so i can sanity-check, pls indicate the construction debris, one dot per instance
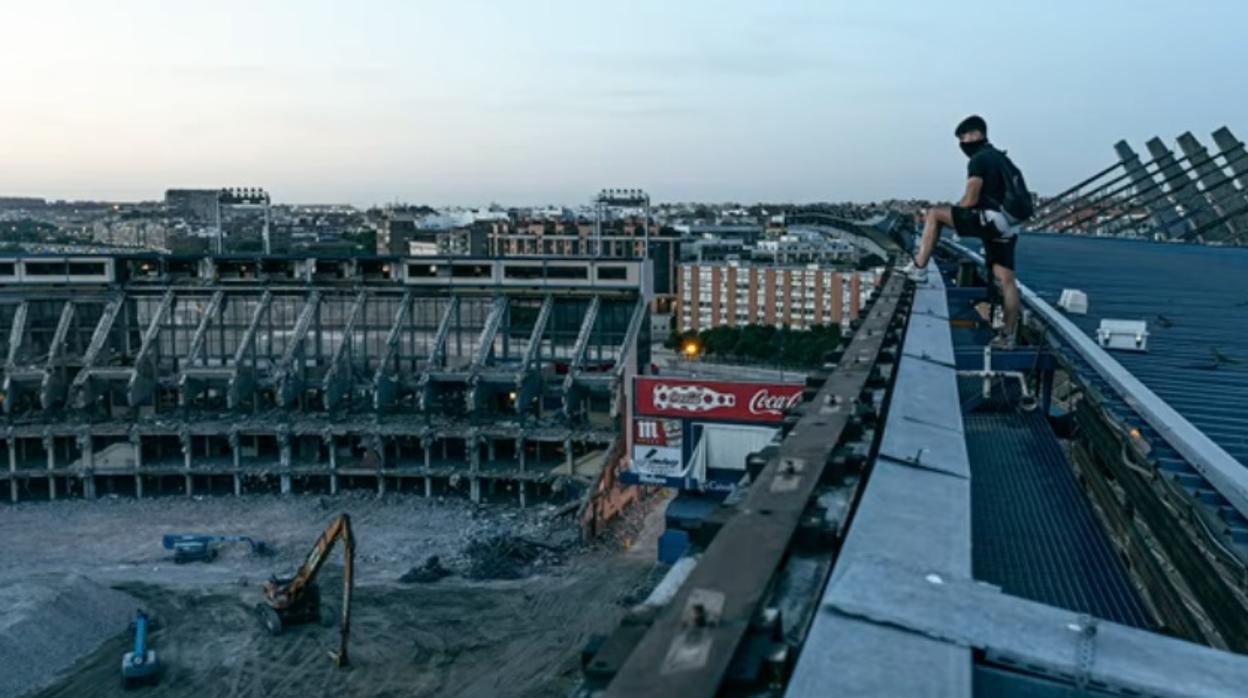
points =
(430, 571)
(508, 557)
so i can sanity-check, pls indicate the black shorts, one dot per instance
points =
(998, 250)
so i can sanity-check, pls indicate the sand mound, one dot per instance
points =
(48, 622)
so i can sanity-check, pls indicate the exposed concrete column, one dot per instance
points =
(428, 487)
(472, 444)
(283, 457)
(49, 445)
(136, 442)
(333, 463)
(524, 487)
(475, 490)
(377, 445)
(88, 472)
(491, 454)
(426, 446)
(567, 450)
(236, 455)
(520, 451)
(187, 449)
(12, 469)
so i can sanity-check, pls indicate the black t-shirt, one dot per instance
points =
(987, 164)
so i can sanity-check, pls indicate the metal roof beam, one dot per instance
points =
(628, 349)
(145, 347)
(57, 347)
(383, 380)
(98, 338)
(201, 330)
(287, 383)
(17, 333)
(338, 377)
(240, 378)
(579, 349)
(524, 386)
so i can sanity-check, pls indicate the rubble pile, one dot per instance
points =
(508, 557)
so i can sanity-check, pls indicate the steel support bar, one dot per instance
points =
(485, 343)
(1205, 212)
(57, 347)
(147, 343)
(1058, 198)
(525, 380)
(535, 337)
(1141, 187)
(338, 377)
(201, 330)
(1181, 190)
(287, 389)
(437, 357)
(17, 334)
(248, 339)
(1225, 199)
(688, 649)
(98, 339)
(383, 382)
(1049, 214)
(628, 350)
(582, 344)
(240, 380)
(1217, 466)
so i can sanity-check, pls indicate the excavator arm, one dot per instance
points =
(283, 595)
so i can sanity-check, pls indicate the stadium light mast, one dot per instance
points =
(245, 196)
(609, 199)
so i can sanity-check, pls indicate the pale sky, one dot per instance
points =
(547, 102)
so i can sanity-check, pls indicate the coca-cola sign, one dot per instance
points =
(715, 400)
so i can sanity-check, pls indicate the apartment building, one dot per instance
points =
(735, 293)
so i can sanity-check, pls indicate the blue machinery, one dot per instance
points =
(192, 547)
(140, 665)
(849, 573)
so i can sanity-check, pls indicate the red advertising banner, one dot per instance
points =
(707, 400)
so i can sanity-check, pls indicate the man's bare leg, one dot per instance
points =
(1010, 300)
(935, 217)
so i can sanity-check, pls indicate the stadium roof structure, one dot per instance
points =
(936, 519)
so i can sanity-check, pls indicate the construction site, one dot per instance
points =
(177, 431)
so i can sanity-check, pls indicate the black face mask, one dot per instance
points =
(972, 147)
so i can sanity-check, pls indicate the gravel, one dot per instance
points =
(48, 622)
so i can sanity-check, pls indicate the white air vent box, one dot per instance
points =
(1073, 301)
(1128, 335)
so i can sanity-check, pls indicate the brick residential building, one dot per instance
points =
(737, 294)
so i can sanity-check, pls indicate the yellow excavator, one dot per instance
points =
(296, 600)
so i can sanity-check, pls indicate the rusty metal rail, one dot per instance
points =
(688, 649)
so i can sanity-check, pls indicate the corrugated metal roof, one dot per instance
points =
(1195, 300)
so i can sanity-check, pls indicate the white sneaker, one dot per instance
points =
(1003, 342)
(914, 272)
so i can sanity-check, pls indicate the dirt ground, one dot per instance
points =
(454, 637)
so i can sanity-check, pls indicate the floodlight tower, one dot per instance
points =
(245, 196)
(609, 199)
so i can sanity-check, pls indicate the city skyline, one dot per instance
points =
(514, 104)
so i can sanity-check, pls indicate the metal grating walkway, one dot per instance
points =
(1034, 533)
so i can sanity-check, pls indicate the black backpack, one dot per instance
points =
(1017, 201)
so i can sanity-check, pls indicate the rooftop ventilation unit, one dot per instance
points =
(1127, 335)
(1073, 301)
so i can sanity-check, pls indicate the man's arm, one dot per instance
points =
(971, 197)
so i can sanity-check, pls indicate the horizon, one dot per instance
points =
(521, 106)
